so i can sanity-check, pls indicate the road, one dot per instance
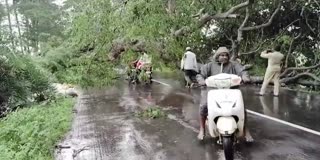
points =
(106, 127)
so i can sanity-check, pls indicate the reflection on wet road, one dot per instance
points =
(105, 126)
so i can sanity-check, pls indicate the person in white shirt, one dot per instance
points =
(190, 67)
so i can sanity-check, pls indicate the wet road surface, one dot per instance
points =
(106, 127)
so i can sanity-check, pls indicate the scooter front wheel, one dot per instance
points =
(227, 142)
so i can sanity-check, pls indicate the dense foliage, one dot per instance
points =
(32, 133)
(83, 41)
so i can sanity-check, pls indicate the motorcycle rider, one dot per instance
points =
(221, 57)
(139, 63)
(131, 66)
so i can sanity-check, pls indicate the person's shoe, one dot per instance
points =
(276, 95)
(201, 135)
(218, 140)
(249, 139)
(259, 94)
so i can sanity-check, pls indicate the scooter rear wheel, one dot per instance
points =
(227, 142)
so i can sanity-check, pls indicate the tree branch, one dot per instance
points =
(304, 74)
(247, 67)
(298, 68)
(199, 13)
(285, 29)
(290, 50)
(259, 80)
(254, 51)
(312, 29)
(171, 7)
(237, 7)
(308, 83)
(315, 1)
(239, 38)
(268, 23)
(192, 3)
(229, 14)
(232, 42)
(180, 32)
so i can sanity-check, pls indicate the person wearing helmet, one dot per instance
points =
(221, 57)
(189, 66)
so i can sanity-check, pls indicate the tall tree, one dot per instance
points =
(41, 19)
(15, 2)
(10, 25)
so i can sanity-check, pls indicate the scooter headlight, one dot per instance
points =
(222, 83)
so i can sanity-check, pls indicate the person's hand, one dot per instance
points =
(202, 83)
(246, 79)
(268, 51)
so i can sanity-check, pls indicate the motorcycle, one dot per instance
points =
(145, 74)
(226, 113)
(141, 73)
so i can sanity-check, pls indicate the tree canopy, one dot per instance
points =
(82, 41)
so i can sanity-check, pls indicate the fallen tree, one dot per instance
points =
(165, 28)
(287, 77)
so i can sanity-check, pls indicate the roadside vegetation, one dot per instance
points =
(153, 112)
(32, 133)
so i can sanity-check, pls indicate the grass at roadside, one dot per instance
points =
(31, 133)
(152, 112)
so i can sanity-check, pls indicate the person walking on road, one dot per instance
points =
(273, 70)
(189, 66)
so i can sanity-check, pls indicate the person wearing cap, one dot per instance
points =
(221, 57)
(273, 70)
(190, 66)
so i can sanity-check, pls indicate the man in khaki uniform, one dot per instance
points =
(273, 70)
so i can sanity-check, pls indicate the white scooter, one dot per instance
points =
(226, 114)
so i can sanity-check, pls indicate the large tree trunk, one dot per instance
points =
(18, 25)
(35, 27)
(27, 23)
(10, 25)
